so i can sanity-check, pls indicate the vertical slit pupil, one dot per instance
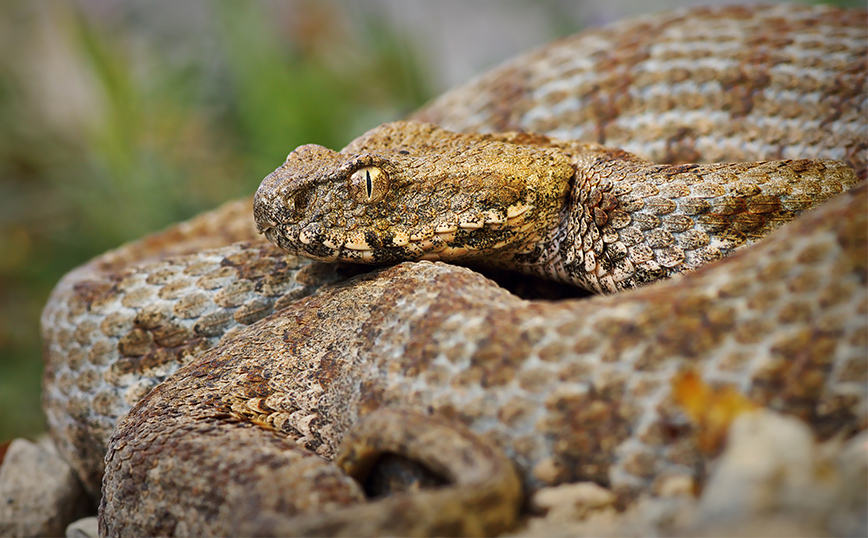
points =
(369, 183)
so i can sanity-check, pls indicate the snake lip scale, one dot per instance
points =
(203, 381)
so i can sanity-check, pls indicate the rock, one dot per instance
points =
(586, 509)
(572, 501)
(767, 459)
(39, 495)
(773, 478)
(849, 515)
(674, 485)
(83, 528)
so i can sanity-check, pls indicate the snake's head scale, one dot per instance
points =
(410, 191)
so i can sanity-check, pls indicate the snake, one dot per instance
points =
(579, 213)
(203, 380)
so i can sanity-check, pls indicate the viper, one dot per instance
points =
(203, 381)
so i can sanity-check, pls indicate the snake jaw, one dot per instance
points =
(443, 241)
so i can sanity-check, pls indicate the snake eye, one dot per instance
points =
(369, 184)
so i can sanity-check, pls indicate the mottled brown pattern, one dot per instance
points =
(702, 85)
(400, 343)
(118, 338)
(278, 374)
(573, 212)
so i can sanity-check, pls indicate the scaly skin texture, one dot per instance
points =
(728, 84)
(568, 391)
(116, 327)
(784, 323)
(580, 213)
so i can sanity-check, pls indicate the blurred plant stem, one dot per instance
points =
(109, 130)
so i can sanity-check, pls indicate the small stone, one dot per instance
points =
(849, 513)
(546, 471)
(765, 455)
(774, 475)
(679, 485)
(83, 528)
(39, 495)
(572, 501)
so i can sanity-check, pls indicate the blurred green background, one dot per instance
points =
(119, 117)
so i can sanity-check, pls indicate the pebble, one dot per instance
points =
(39, 495)
(83, 528)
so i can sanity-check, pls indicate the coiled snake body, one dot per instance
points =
(290, 366)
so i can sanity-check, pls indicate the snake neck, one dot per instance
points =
(593, 247)
(627, 222)
(583, 249)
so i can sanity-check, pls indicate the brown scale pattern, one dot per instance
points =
(568, 391)
(578, 213)
(784, 322)
(728, 84)
(119, 333)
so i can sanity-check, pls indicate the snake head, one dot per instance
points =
(409, 191)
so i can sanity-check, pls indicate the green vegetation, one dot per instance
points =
(110, 129)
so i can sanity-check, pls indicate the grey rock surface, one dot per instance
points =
(87, 527)
(39, 495)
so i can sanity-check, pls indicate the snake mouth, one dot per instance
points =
(446, 242)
